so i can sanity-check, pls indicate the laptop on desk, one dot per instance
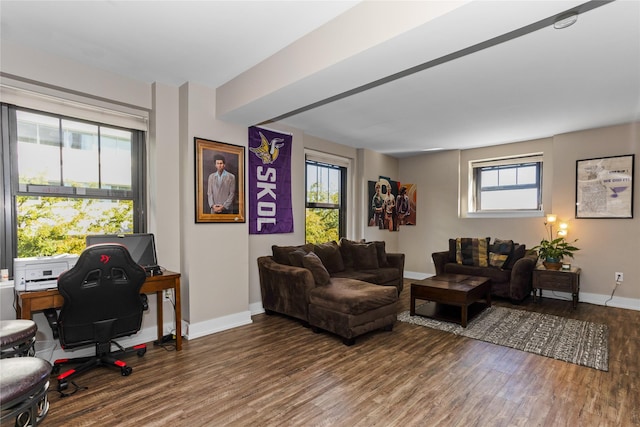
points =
(141, 246)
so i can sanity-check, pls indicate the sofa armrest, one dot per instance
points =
(396, 260)
(285, 288)
(521, 278)
(439, 260)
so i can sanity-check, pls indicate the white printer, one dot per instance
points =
(40, 273)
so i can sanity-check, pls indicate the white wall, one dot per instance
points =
(213, 255)
(606, 245)
(218, 261)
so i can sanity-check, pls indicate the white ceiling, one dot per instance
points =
(542, 83)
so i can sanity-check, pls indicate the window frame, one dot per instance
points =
(341, 206)
(13, 189)
(475, 190)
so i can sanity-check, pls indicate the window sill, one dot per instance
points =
(506, 214)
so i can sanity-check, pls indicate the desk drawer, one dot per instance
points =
(556, 281)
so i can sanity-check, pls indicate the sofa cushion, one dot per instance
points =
(496, 275)
(295, 257)
(350, 273)
(365, 256)
(330, 255)
(472, 251)
(382, 253)
(312, 262)
(503, 247)
(382, 275)
(352, 296)
(497, 260)
(281, 253)
(346, 250)
(452, 250)
(499, 252)
(519, 251)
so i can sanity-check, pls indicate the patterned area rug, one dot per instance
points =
(574, 341)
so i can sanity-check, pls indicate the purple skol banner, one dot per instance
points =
(269, 182)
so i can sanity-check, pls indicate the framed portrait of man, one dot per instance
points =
(219, 181)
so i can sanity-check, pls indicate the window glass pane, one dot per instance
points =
(507, 176)
(527, 175)
(38, 149)
(489, 178)
(517, 186)
(323, 185)
(334, 186)
(509, 199)
(324, 214)
(80, 154)
(322, 225)
(312, 183)
(115, 158)
(55, 225)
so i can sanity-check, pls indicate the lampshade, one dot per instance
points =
(552, 217)
(562, 232)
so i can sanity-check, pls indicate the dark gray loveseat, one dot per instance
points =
(511, 278)
(348, 288)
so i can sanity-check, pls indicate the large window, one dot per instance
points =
(507, 185)
(326, 202)
(68, 178)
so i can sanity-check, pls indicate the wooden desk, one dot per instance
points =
(28, 302)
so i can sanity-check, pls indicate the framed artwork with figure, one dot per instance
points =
(219, 181)
(604, 187)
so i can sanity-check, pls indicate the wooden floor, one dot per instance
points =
(275, 372)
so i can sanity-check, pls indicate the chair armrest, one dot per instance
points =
(439, 260)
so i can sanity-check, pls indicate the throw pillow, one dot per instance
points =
(452, 250)
(472, 251)
(295, 257)
(497, 260)
(502, 246)
(518, 252)
(320, 274)
(346, 250)
(382, 254)
(281, 253)
(365, 256)
(330, 255)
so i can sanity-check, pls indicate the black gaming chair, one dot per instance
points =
(102, 301)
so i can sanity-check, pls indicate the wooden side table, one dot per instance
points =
(557, 280)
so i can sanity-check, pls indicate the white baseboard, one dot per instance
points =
(597, 299)
(256, 308)
(211, 326)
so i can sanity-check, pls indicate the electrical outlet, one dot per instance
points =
(166, 295)
(619, 277)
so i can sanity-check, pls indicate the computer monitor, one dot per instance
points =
(141, 246)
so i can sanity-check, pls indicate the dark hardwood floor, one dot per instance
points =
(275, 372)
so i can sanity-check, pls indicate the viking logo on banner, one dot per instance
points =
(269, 182)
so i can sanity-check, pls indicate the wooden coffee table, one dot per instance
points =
(452, 296)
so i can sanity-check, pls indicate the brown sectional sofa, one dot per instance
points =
(349, 288)
(511, 278)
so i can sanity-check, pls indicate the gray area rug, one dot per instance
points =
(574, 341)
